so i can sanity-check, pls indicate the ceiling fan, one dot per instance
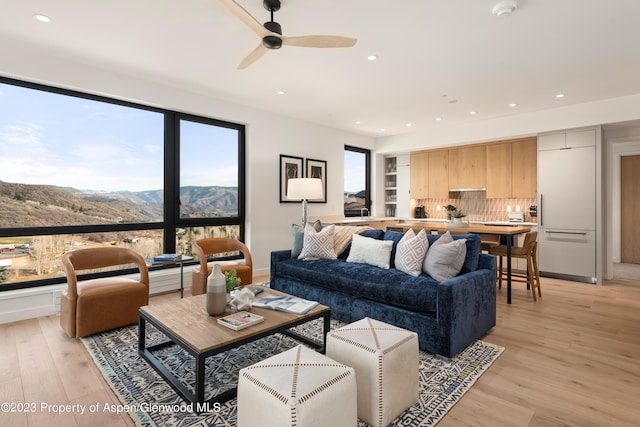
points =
(271, 33)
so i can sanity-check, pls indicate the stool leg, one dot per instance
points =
(534, 256)
(500, 272)
(530, 279)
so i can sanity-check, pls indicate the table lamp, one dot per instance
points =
(305, 189)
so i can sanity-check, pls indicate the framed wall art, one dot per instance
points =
(290, 167)
(318, 169)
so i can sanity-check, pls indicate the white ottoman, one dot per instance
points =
(385, 358)
(299, 387)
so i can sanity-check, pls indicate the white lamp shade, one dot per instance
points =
(304, 188)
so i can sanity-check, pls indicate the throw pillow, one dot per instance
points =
(298, 237)
(445, 258)
(366, 250)
(318, 244)
(411, 251)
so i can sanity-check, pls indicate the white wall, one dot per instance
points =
(268, 136)
(588, 114)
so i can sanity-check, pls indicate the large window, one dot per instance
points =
(357, 199)
(78, 170)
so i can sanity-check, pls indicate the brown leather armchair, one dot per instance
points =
(91, 306)
(219, 245)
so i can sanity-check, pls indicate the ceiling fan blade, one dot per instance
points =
(253, 56)
(319, 41)
(246, 17)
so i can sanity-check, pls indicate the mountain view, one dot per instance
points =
(47, 205)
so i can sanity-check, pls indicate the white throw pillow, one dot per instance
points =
(318, 244)
(411, 251)
(366, 250)
(445, 257)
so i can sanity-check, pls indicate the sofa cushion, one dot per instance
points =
(318, 244)
(373, 233)
(473, 250)
(387, 286)
(411, 251)
(395, 237)
(445, 258)
(370, 251)
(298, 237)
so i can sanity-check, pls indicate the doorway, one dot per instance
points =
(629, 206)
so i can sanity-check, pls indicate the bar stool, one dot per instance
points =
(527, 251)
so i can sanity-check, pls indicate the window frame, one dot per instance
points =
(367, 192)
(172, 221)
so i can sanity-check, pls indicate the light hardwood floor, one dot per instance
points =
(571, 359)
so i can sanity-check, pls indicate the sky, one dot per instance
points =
(354, 171)
(60, 140)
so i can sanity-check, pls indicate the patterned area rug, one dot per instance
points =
(150, 401)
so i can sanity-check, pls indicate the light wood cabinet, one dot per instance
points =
(468, 167)
(438, 174)
(512, 169)
(524, 169)
(419, 187)
(499, 171)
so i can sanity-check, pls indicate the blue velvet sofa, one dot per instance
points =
(447, 315)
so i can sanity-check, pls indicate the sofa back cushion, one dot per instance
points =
(473, 247)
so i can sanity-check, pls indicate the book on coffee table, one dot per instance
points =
(240, 320)
(285, 303)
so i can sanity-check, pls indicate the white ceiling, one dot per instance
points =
(437, 58)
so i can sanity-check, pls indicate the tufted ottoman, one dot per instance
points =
(385, 358)
(299, 387)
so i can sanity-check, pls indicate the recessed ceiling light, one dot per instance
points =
(438, 119)
(382, 129)
(372, 57)
(358, 122)
(560, 95)
(281, 92)
(408, 125)
(42, 18)
(513, 104)
(473, 113)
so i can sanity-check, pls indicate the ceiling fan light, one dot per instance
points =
(504, 8)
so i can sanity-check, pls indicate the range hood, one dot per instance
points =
(468, 189)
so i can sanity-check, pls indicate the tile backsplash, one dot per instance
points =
(477, 207)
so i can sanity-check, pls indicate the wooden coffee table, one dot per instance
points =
(186, 323)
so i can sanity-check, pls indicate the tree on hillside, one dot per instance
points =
(4, 274)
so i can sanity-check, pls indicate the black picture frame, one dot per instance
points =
(317, 169)
(290, 167)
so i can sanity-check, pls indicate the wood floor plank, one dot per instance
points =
(571, 359)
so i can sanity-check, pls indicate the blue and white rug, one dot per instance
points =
(152, 402)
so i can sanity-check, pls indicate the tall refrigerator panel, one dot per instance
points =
(567, 211)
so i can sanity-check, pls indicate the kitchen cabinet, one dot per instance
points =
(567, 140)
(468, 167)
(419, 187)
(430, 174)
(438, 174)
(512, 169)
(524, 168)
(499, 171)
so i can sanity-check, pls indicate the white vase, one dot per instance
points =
(216, 301)
(457, 220)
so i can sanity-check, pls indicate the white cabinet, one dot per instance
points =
(566, 183)
(567, 203)
(570, 252)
